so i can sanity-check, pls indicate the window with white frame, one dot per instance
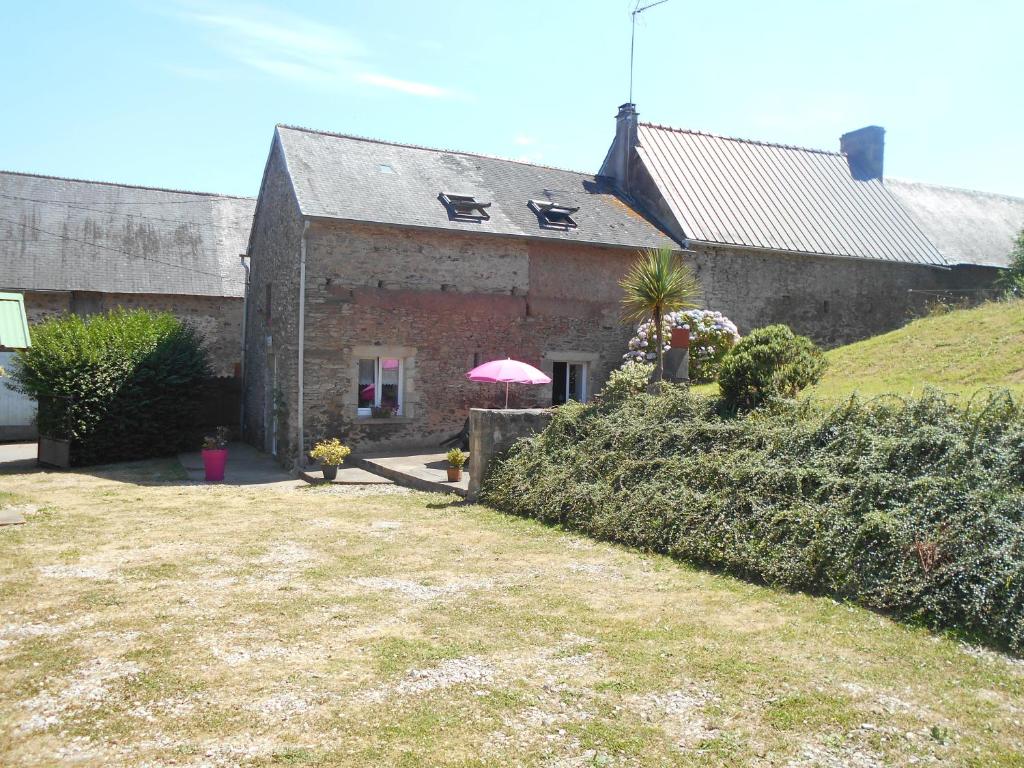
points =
(380, 386)
(568, 382)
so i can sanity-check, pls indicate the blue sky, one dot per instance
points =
(185, 94)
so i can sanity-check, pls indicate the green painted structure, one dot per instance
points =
(13, 322)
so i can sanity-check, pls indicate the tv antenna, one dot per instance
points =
(637, 10)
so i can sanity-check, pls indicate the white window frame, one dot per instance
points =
(584, 373)
(366, 413)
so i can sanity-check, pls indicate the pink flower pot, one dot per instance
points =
(213, 463)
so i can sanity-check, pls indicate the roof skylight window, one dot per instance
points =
(464, 207)
(553, 215)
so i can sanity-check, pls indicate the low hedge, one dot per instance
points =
(121, 386)
(912, 507)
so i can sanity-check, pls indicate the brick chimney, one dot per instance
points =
(865, 151)
(617, 161)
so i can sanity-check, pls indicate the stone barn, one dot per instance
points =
(83, 247)
(815, 239)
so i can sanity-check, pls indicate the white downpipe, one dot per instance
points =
(245, 322)
(302, 340)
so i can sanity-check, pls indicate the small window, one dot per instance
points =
(553, 215)
(464, 207)
(384, 168)
(568, 382)
(380, 386)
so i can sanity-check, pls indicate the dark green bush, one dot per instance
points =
(770, 363)
(122, 386)
(911, 507)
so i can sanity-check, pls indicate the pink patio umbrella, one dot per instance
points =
(507, 372)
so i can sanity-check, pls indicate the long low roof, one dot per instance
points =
(967, 227)
(772, 196)
(358, 179)
(72, 235)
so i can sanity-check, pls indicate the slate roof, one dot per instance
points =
(341, 177)
(73, 235)
(967, 227)
(778, 197)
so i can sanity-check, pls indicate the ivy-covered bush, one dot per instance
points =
(914, 507)
(771, 362)
(125, 385)
(712, 335)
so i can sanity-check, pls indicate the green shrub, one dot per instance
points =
(1012, 278)
(911, 507)
(121, 386)
(631, 379)
(770, 363)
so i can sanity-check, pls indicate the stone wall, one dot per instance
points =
(272, 328)
(834, 301)
(443, 303)
(218, 319)
(492, 432)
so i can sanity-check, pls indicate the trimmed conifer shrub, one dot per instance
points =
(912, 507)
(120, 386)
(770, 363)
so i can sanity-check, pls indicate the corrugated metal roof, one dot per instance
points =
(338, 176)
(967, 227)
(777, 197)
(73, 235)
(13, 323)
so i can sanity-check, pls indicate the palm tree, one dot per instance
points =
(658, 283)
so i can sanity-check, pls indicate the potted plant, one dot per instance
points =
(382, 412)
(456, 459)
(215, 454)
(331, 454)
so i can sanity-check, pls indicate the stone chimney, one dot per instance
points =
(617, 161)
(864, 150)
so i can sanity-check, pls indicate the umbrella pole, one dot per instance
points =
(506, 395)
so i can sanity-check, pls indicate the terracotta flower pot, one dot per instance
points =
(454, 474)
(213, 462)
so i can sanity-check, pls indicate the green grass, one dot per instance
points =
(960, 352)
(149, 624)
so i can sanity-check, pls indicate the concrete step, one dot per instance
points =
(424, 472)
(347, 475)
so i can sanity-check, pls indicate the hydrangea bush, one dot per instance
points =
(712, 335)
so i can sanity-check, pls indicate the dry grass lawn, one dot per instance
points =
(146, 621)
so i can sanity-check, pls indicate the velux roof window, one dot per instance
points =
(464, 207)
(553, 215)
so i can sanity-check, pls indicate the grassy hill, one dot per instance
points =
(960, 352)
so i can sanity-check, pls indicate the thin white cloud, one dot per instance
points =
(294, 48)
(524, 141)
(405, 86)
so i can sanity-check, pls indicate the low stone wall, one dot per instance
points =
(493, 431)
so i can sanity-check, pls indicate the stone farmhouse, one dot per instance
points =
(381, 272)
(83, 247)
